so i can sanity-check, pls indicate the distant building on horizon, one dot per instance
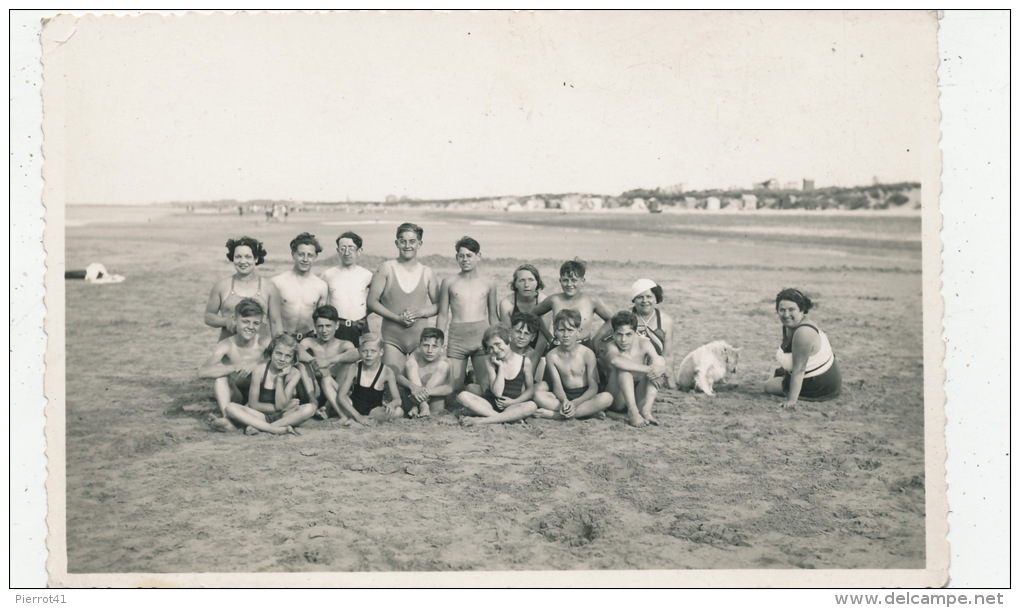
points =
(809, 185)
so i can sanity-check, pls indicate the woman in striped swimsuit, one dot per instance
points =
(808, 368)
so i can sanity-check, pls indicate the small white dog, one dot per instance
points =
(706, 365)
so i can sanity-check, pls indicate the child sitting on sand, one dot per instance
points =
(636, 370)
(362, 386)
(573, 298)
(574, 374)
(524, 327)
(281, 399)
(324, 354)
(509, 396)
(233, 359)
(426, 377)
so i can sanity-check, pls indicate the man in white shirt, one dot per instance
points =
(348, 288)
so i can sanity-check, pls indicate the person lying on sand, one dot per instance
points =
(636, 370)
(233, 359)
(282, 397)
(574, 374)
(362, 386)
(426, 377)
(509, 397)
(324, 354)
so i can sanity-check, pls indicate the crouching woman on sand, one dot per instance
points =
(808, 368)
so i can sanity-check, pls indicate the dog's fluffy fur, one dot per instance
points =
(706, 365)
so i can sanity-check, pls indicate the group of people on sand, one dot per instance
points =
(298, 346)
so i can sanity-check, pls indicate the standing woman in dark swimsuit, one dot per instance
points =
(246, 253)
(526, 292)
(653, 324)
(807, 366)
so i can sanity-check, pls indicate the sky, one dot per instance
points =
(361, 106)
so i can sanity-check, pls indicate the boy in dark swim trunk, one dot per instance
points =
(509, 397)
(468, 302)
(574, 375)
(636, 370)
(572, 297)
(362, 387)
(233, 359)
(426, 377)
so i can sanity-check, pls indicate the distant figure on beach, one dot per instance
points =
(246, 253)
(807, 366)
(468, 303)
(363, 386)
(301, 292)
(234, 359)
(281, 398)
(94, 273)
(573, 373)
(509, 396)
(525, 294)
(573, 298)
(652, 323)
(348, 285)
(404, 292)
(426, 378)
(325, 354)
(636, 370)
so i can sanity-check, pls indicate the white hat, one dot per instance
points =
(640, 286)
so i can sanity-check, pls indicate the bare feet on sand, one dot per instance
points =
(218, 424)
(321, 413)
(468, 421)
(250, 430)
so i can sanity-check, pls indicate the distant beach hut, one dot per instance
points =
(712, 203)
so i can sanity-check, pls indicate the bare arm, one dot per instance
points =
(375, 291)
(541, 309)
(444, 306)
(213, 318)
(432, 284)
(343, 395)
(499, 379)
(274, 302)
(493, 306)
(214, 367)
(504, 310)
(390, 382)
(439, 383)
(591, 369)
(805, 341)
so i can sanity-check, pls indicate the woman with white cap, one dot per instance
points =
(653, 324)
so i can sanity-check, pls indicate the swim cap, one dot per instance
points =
(640, 286)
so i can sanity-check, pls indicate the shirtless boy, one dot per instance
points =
(363, 386)
(233, 359)
(404, 293)
(426, 377)
(573, 298)
(573, 373)
(348, 288)
(510, 397)
(468, 302)
(301, 292)
(636, 370)
(324, 354)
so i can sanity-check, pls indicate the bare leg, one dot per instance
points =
(394, 358)
(253, 418)
(774, 386)
(458, 368)
(548, 405)
(621, 388)
(478, 365)
(296, 416)
(594, 406)
(518, 411)
(645, 394)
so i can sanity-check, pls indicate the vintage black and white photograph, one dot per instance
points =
(635, 295)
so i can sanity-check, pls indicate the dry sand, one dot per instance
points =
(732, 481)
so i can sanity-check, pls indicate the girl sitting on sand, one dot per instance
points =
(279, 398)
